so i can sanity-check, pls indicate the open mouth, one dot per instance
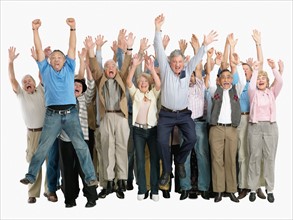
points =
(28, 87)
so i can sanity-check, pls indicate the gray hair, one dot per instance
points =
(176, 53)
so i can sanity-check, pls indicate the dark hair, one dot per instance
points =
(248, 66)
(223, 70)
(59, 52)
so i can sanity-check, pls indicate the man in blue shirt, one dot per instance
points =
(61, 111)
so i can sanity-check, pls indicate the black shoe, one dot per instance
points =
(233, 197)
(110, 187)
(205, 195)
(103, 194)
(181, 170)
(192, 195)
(129, 185)
(260, 194)
(120, 194)
(166, 194)
(271, 197)
(90, 204)
(243, 193)
(218, 197)
(252, 197)
(164, 180)
(25, 181)
(184, 194)
(70, 204)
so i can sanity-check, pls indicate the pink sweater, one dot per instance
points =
(263, 103)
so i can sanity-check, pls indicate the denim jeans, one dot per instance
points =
(53, 168)
(53, 125)
(202, 152)
(141, 137)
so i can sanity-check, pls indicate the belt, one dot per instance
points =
(35, 129)
(145, 126)
(61, 112)
(225, 125)
(170, 110)
(244, 113)
(114, 111)
(199, 119)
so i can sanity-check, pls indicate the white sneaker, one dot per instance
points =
(140, 197)
(155, 197)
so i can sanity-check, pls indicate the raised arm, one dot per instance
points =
(36, 24)
(256, 35)
(72, 38)
(194, 44)
(224, 64)
(150, 65)
(136, 61)
(278, 81)
(99, 44)
(12, 57)
(232, 43)
(182, 45)
(82, 64)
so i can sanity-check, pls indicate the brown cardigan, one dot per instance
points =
(100, 79)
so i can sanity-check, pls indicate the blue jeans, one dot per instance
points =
(202, 152)
(141, 137)
(166, 123)
(53, 125)
(53, 168)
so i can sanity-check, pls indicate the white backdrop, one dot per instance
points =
(182, 19)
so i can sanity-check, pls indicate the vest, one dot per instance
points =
(217, 104)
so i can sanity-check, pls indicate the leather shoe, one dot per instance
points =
(218, 197)
(129, 185)
(70, 204)
(181, 170)
(260, 194)
(205, 195)
(192, 195)
(164, 180)
(271, 197)
(25, 181)
(90, 204)
(103, 194)
(252, 197)
(243, 193)
(184, 194)
(166, 194)
(31, 200)
(51, 196)
(120, 194)
(233, 197)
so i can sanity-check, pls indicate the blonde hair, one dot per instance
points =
(265, 74)
(145, 75)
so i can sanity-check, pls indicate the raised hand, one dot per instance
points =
(166, 40)
(256, 35)
(194, 43)
(11, 53)
(36, 24)
(210, 38)
(130, 40)
(281, 66)
(100, 41)
(71, 22)
(249, 61)
(159, 21)
(89, 43)
(182, 45)
(47, 51)
(271, 63)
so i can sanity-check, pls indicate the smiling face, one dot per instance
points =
(225, 79)
(143, 83)
(110, 69)
(29, 84)
(262, 81)
(57, 60)
(247, 70)
(77, 89)
(177, 64)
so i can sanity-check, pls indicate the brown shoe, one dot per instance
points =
(51, 196)
(31, 200)
(260, 194)
(243, 193)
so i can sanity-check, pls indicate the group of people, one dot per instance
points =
(122, 124)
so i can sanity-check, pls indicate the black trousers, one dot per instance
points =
(70, 170)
